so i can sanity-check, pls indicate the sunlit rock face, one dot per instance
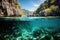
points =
(10, 8)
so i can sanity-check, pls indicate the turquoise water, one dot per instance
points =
(30, 28)
(46, 23)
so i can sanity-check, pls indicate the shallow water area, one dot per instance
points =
(30, 28)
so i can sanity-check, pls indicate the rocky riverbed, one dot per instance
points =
(36, 29)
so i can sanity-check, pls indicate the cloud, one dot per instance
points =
(36, 5)
(31, 9)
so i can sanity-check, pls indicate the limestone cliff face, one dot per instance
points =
(10, 8)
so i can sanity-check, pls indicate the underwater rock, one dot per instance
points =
(47, 33)
(36, 33)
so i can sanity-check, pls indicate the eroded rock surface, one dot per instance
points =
(10, 8)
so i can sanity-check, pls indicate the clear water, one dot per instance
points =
(27, 26)
(38, 23)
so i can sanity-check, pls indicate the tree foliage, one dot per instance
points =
(48, 10)
(51, 7)
(52, 1)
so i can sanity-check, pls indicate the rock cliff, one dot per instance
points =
(49, 8)
(10, 8)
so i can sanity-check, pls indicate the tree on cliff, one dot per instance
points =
(49, 7)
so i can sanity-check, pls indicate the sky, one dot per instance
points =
(30, 5)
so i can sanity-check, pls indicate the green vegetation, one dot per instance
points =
(49, 8)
